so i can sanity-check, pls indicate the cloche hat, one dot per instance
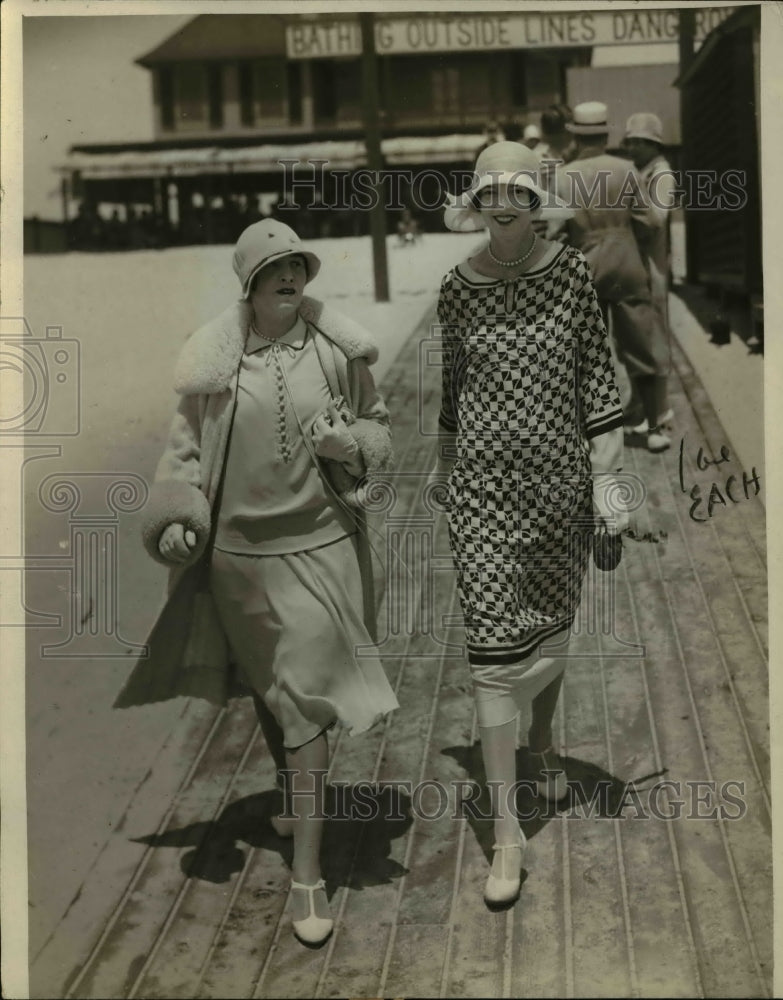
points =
(589, 119)
(264, 242)
(502, 163)
(644, 125)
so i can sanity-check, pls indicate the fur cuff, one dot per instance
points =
(173, 501)
(374, 440)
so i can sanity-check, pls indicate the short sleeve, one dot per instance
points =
(663, 194)
(447, 419)
(599, 397)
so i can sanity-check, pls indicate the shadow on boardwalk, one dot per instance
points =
(361, 823)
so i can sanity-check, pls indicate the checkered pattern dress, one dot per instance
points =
(527, 381)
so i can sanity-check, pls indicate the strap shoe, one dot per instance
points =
(312, 930)
(503, 889)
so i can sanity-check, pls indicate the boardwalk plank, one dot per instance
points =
(62, 958)
(479, 936)
(125, 951)
(714, 917)
(738, 661)
(375, 908)
(241, 829)
(598, 932)
(416, 966)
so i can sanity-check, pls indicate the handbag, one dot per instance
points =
(607, 551)
(340, 405)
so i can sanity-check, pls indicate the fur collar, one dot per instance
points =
(210, 356)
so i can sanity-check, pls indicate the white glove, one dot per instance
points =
(333, 440)
(608, 501)
(175, 543)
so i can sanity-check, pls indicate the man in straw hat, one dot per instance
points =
(644, 142)
(610, 211)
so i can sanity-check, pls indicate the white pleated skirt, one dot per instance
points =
(294, 623)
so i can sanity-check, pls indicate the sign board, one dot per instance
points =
(478, 32)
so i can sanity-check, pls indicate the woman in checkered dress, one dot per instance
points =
(532, 415)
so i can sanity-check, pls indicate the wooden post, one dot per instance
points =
(372, 138)
(686, 41)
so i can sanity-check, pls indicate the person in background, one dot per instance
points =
(556, 141)
(612, 214)
(530, 438)
(254, 509)
(531, 137)
(644, 143)
(512, 129)
(408, 231)
(556, 147)
(492, 134)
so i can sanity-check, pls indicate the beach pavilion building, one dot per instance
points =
(261, 113)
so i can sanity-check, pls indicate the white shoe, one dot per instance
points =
(501, 890)
(658, 441)
(643, 427)
(313, 930)
(554, 787)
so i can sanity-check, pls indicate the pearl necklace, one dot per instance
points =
(519, 260)
(257, 332)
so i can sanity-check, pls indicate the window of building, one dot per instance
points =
(215, 92)
(294, 81)
(166, 97)
(455, 90)
(475, 85)
(246, 114)
(348, 90)
(324, 91)
(190, 96)
(445, 91)
(408, 89)
(270, 91)
(543, 78)
(337, 90)
(518, 80)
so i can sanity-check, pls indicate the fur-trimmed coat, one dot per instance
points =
(187, 650)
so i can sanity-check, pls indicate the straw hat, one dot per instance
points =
(531, 132)
(502, 163)
(264, 242)
(644, 125)
(589, 119)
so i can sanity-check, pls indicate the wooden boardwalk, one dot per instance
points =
(653, 880)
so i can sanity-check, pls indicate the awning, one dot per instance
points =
(431, 149)
(336, 155)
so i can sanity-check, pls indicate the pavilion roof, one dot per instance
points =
(216, 36)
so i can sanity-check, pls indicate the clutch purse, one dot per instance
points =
(343, 409)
